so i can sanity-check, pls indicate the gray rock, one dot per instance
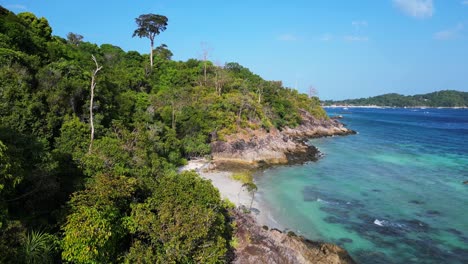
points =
(258, 245)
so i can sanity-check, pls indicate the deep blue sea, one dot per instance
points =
(393, 193)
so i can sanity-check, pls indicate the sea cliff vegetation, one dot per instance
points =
(111, 193)
(445, 98)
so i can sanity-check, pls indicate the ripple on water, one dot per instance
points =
(407, 176)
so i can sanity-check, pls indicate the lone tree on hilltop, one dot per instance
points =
(150, 25)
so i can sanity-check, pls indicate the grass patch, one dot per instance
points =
(243, 177)
(234, 243)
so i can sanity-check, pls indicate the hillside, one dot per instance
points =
(91, 138)
(446, 98)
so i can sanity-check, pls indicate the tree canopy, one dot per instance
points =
(123, 201)
(149, 26)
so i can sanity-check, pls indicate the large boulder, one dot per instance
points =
(259, 245)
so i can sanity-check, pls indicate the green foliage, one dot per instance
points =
(74, 39)
(12, 237)
(74, 137)
(93, 231)
(445, 98)
(162, 52)
(182, 222)
(40, 26)
(5, 168)
(234, 243)
(91, 236)
(250, 186)
(244, 177)
(39, 247)
(150, 25)
(125, 201)
(196, 146)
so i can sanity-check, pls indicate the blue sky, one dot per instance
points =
(343, 48)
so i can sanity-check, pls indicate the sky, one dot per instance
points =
(342, 48)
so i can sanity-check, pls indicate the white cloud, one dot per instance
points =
(287, 37)
(355, 38)
(416, 8)
(15, 6)
(465, 2)
(360, 24)
(451, 33)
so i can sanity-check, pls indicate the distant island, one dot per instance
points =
(445, 98)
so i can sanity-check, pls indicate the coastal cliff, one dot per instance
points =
(260, 245)
(255, 148)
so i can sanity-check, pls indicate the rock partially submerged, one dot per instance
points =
(255, 148)
(260, 245)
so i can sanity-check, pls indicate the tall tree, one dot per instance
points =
(74, 39)
(150, 25)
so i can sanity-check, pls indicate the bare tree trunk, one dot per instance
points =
(217, 81)
(312, 91)
(260, 92)
(206, 51)
(239, 114)
(91, 101)
(204, 71)
(151, 52)
(251, 201)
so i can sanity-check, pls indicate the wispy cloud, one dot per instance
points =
(326, 37)
(355, 38)
(451, 33)
(358, 35)
(416, 8)
(287, 37)
(16, 6)
(464, 2)
(360, 24)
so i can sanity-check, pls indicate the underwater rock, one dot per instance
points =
(416, 202)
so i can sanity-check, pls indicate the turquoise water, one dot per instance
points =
(393, 193)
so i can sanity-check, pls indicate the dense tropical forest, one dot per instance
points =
(91, 138)
(445, 98)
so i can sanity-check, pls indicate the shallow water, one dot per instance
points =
(393, 193)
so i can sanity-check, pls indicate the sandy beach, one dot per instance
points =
(232, 190)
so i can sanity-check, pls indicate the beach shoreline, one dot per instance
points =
(233, 191)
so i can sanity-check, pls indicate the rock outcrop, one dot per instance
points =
(255, 148)
(259, 245)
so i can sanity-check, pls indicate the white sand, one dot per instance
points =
(232, 190)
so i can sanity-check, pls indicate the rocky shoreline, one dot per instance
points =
(256, 148)
(258, 239)
(252, 149)
(263, 245)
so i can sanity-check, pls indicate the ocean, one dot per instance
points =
(393, 193)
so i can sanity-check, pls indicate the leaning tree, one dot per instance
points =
(150, 25)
